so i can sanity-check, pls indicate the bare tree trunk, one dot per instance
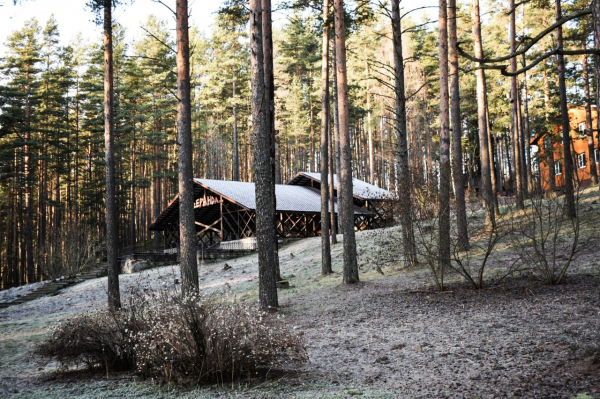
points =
(114, 296)
(187, 219)
(516, 134)
(588, 118)
(404, 173)
(236, 154)
(332, 222)
(345, 173)
(369, 128)
(336, 130)
(548, 144)
(325, 244)
(457, 153)
(133, 210)
(263, 170)
(270, 115)
(29, 265)
(564, 114)
(444, 193)
(486, 162)
(596, 26)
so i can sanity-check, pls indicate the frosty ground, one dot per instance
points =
(391, 335)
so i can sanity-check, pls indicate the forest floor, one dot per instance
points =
(390, 336)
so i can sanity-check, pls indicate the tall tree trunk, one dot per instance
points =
(325, 244)
(444, 193)
(564, 115)
(548, 141)
(29, 265)
(236, 155)
(336, 131)
(114, 296)
(527, 132)
(404, 173)
(187, 220)
(588, 118)
(345, 173)
(369, 128)
(486, 162)
(457, 153)
(263, 172)
(132, 216)
(332, 222)
(270, 116)
(516, 133)
(596, 26)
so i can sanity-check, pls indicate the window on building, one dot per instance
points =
(596, 155)
(557, 168)
(582, 127)
(581, 161)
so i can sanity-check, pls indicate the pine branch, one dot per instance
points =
(533, 41)
(158, 40)
(503, 68)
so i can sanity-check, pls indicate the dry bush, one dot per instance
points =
(93, 340)
(471, 263)
(545, 236)
(178, 339)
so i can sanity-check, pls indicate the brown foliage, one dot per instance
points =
(177, 339)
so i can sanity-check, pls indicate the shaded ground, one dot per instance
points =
(520, 339)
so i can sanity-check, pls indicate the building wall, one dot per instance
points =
(579, 147)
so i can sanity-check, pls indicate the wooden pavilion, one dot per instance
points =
(378, 201)
(226, 212)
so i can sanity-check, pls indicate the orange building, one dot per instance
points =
(579, 149)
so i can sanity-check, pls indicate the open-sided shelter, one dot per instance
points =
(226, 211)
(378, 201)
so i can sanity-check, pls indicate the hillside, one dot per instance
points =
(392, 335)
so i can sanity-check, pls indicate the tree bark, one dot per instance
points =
(548, 142)
(187, 220)
(444, 191)
(369, 127)
(336, 131)
(457, 153)
(236, 155)
(516, 134)
(325, 243)
(114, 296)
(404, 173)
(588, 119)
(527, 132)
(345, 173)
(486, 162)
(596, 26)
(270, 115)
(564, 115)
(263, 171)
(332, 222)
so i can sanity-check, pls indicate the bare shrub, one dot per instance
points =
(93, 340)
(191, 339)
(545, 236)
(470, 263)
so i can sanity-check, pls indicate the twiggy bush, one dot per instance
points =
(178, 339)
(471, 263)
(545, 236)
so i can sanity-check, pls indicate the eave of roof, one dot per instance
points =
(360, 189)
